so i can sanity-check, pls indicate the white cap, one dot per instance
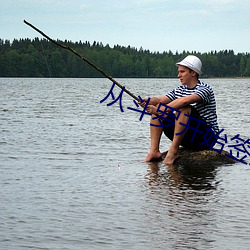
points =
(191, 62)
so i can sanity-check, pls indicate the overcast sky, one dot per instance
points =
(157, 25)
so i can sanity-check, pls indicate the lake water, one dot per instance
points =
(72, 174)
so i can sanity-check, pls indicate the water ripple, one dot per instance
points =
(72, 175)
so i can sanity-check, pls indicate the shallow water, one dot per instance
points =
(72, 175)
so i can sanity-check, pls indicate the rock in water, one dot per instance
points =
(202, 157)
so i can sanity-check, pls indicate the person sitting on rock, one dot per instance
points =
(191, 110)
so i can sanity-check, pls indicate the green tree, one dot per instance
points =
(41, 58)
(247, 69)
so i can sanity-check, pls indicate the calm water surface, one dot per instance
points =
(72, 176)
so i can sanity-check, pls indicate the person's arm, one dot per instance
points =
(155, 100)
(184, 101)
(164, 99)
(176, 104)
(154, 103)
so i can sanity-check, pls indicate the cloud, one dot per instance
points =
(83, 6)
(221, 2)
(152, 24)
(225, 5)
(149, 2)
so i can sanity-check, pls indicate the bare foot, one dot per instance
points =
(153, 156)
(170, 157)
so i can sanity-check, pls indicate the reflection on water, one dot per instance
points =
(191, 177)
(184, 194)
(189, 205)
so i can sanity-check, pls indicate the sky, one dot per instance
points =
(155, 25)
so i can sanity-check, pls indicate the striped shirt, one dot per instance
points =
(206, 108)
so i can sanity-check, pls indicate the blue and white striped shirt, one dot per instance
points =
(206, 108)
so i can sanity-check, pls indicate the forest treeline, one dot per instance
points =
(41, 58)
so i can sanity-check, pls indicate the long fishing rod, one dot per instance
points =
(84, 59)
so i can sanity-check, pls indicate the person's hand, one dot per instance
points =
(152, 109)
(142, 104)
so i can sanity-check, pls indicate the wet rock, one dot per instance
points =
(202, 157)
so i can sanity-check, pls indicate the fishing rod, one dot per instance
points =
(84, 59)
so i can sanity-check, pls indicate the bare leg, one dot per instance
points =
(155, 137)
(173, 151)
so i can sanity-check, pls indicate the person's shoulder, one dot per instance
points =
(181, 87)
(203, 85)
